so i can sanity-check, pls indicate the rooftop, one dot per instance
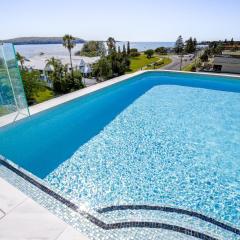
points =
(39, 62)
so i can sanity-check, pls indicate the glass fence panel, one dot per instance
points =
(12, 95)
(7, 102)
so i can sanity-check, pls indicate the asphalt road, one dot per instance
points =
(176, 62)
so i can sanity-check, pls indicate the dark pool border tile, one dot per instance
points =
(170, 210)
(164, 226)
(97, 221)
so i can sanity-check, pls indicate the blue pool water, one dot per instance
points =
(159, 138)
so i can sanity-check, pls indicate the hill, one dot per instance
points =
(38, 40)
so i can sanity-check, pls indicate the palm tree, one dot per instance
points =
(20, 58)
(56, 73)
(51, 62)
(68, 42)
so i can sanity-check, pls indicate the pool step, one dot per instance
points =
(174, 217)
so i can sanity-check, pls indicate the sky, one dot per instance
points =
(127, 20)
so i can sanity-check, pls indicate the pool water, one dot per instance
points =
(156, 139)
(174, 145)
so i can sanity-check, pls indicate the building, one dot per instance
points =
(227, 63)
(83, 64)
(85, 68)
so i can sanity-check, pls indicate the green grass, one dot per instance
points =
(188, 68)
(141, 61)
(43, 95)
(161, 63)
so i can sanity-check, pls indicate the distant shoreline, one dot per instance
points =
(39, 43)
(38, 40)
(30, 50)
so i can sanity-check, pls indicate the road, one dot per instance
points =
(176, 62)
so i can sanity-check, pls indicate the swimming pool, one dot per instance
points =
(158, 143)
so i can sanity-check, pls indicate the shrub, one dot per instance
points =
(31, 83)
(193, 68)
(149, 53)
(161, 50)
(134, 52)
(158, 63)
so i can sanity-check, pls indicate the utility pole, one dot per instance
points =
(181, 61)
(196, 57)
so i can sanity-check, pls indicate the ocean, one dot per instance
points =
(32, 50)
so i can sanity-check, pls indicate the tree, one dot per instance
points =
(77, 81)
(20, 58)
(190, 46)
(111, 43)
(115, 63)
(31, 83)
(179, 45)
(218, 50)
(149, 53)
(215, 48)
(102, 69)
(161, 50)
(119, 49)
(232, 42)
(68, 42)
(204, 56)
(57, 74)
(53, 62)
(62, 81)
(195, 43)
(124, 50)
(128, 48)
(92, 49)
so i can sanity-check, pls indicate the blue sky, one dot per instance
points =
(134, 20)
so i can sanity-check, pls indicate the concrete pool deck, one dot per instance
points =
(23, 218)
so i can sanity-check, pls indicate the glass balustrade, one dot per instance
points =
(12, 95)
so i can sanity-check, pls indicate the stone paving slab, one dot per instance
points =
(30, 221)
(21, 218)
(9, 197)
(71, 234)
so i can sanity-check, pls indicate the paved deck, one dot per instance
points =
(23, 219)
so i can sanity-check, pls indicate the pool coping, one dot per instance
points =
(8, 119)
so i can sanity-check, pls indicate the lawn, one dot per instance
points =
(139, 62)
(188, 68)
(43, 95)
(163, 61)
